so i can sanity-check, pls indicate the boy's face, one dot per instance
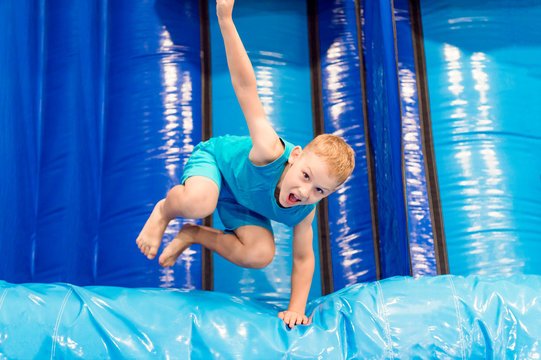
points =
(307, 181)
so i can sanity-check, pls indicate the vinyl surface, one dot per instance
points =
(431, 317)
(483, 72)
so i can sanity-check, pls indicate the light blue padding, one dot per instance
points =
(401, 318)
(275, 35)
(484, 81)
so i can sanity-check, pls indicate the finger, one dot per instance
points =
(281, 315)
(287, 318)
(293, 321)
(299, 320)
(291, 324)
(305, 320)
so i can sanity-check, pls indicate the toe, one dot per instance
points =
(145, 249)
(151, 254)
(164, 259)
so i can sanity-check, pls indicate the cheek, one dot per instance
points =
(289, 182)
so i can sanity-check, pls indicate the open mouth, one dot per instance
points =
(292, 199)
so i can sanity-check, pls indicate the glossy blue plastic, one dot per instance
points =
(152, 123)
(430, 317)
(20, 93)
(350, 217)
(420, 237)
(98, 106)
(483, 72)
(383, 108)
(69, 156)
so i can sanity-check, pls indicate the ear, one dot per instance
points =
(295, 154)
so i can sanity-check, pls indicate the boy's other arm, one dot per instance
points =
(266, 145)
(301, 274)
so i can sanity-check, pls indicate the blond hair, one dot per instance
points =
(337, 154)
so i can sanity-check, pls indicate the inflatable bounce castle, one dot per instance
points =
(430, 250)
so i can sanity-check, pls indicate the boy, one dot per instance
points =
(251, 180)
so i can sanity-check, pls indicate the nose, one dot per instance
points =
(304, 191)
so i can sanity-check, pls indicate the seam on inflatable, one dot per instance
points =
(387, 325)
(4, 294)
(457, 309)
(57, 325)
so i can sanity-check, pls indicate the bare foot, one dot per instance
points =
(150, 237)
(181, 242)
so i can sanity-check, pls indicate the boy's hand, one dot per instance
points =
(292, 318)
(224, 9)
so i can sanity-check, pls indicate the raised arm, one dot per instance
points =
(266, 144)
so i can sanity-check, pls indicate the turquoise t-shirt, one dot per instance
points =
(253, 186)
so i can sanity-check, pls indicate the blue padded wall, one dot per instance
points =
(21, 67)
(386, 134)
(101, 105)
(420, 236)
(275, 35)
(350, 218)
(483, 69)
(69, 145)
(153, 121)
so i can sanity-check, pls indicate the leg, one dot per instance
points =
(195, 199)
(251, 246)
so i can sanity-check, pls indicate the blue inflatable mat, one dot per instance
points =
(401, 317)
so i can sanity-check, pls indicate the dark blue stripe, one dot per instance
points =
(421, 241)
(385, 133)
(350, 220)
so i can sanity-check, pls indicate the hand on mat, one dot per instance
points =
(292, 318)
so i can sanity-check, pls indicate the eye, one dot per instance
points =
(320, 190)
(306, 176)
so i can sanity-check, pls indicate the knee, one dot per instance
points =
(261, 256)
(200, 204)
(193, 204)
